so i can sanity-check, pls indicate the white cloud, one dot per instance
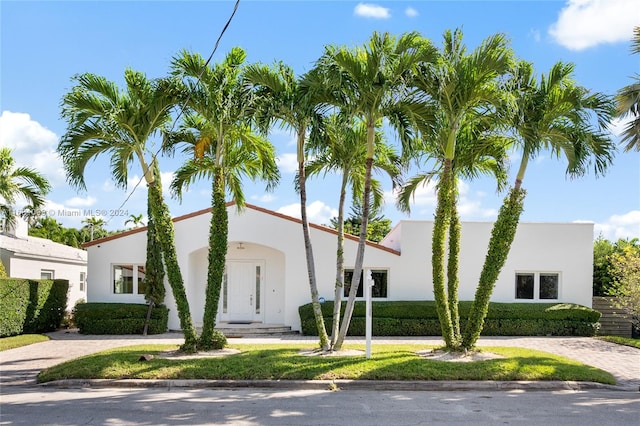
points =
(32, 145)
(424, 201)
(368, 10)
(264, 198)
(317, 212)
(535, 34)
(620, 226)
(81, 202)
(108, 186)
(288, 162)
(587, 23)
(411, 12)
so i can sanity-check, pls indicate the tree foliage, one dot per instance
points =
(625, 268)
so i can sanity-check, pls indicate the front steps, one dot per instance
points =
(254, 329)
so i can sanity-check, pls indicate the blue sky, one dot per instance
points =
(43, 44)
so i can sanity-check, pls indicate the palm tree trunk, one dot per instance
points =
(311, 269)
(452, 266)
(166, 239)
(440, 225)
(337, 297)
(502, 235)
(357, 268)
(218, 233)
(154, 290)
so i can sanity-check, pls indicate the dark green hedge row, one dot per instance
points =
(119, 318)
(419, 318)
(31, 306)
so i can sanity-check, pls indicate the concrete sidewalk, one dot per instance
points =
(20, 366)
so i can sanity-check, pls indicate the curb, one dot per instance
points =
(335, 385)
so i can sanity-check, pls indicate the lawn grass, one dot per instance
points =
(626, 341)
(22, 340)
(284, 362)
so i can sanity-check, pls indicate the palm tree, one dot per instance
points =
(555, 115)
(371, 82)
(102, 119)
(284, 99)
(95, 227)
(136, 220)
(19, 182)
(461, 105)
(629, 103)
(225, 148)
(342, 149)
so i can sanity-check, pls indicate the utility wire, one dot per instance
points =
(182, 109)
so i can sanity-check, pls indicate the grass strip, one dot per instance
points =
(284, 362)
(22, 340)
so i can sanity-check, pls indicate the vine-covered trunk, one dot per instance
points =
(315, 299)
(452, 265)
(218, 233)
(339, 288)
(502, 235)
(154, 290)
(166, 239)
(441, 224)
(357, 268)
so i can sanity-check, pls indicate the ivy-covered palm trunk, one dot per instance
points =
(502, 235)
(452, 265)
(357, 268)
(441, 224)
(166, 238)
(339, 286)
(218, 234)
(311, 269)
(154, 291)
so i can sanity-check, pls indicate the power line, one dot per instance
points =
(182, 108)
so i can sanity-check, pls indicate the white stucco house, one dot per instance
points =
(24, 256)
(266, 275)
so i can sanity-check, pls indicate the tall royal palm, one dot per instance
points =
(464, 103)
(372, 82)
(19, 182)
(103, 120)
(224, 148)
(341, 149)
(284, 100)
(553, 115)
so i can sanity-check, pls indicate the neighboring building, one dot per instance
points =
(266, 275)
(24, 256)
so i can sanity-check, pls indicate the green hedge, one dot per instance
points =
(420, 318)
(31, 306)
(119, 318)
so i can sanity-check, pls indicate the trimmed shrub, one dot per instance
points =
(420, 318)
(119, 318)
(31, 306)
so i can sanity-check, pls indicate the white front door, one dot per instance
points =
(242, 291)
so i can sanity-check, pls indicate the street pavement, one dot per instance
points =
(20, 366)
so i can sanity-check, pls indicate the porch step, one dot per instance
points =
(254, 329)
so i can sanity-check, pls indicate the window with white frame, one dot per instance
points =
(380, 282)
(83, 281)
(537, 285)
(128, 279)
(47, 274)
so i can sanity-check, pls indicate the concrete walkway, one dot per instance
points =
(20, 366)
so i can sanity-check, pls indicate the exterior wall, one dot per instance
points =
(23, 267)
(565, 249)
